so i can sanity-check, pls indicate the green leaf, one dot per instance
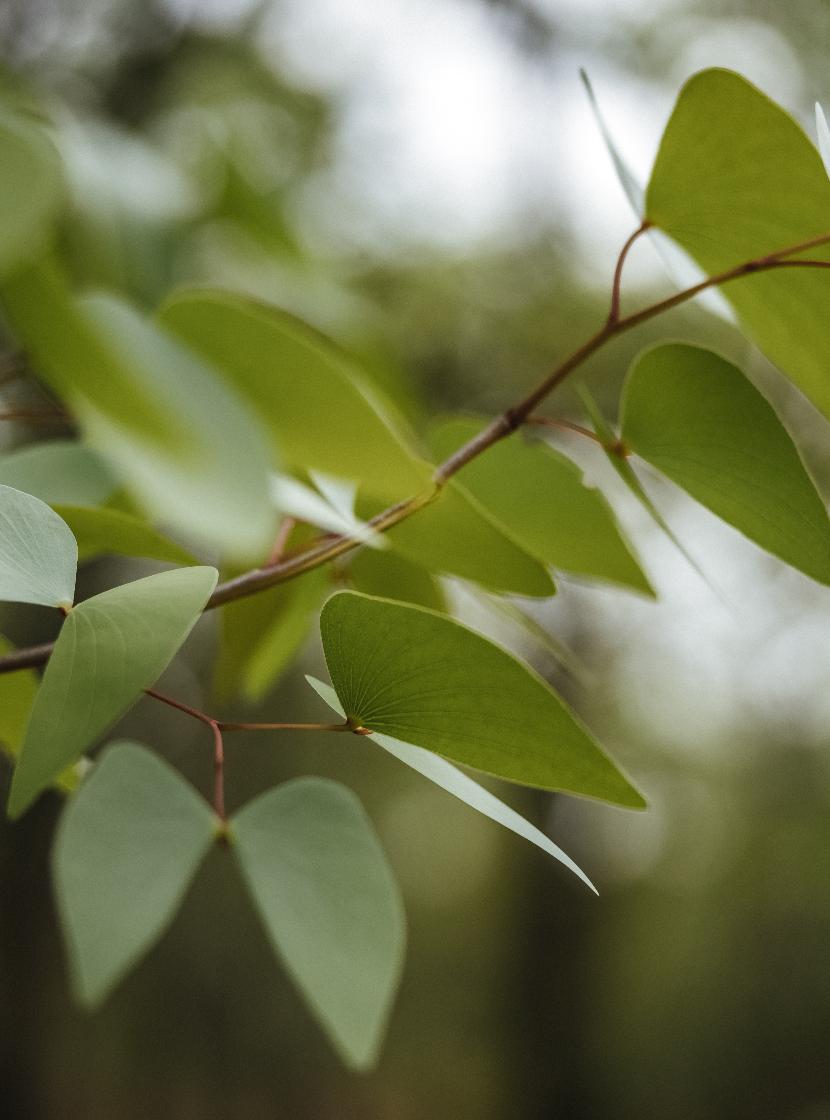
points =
(38, 554)
(189, 450)
(17, 695)
(260, 635)
(322, 414)
(823, 133)
(110, 648)
(393, 577)
(437, 770)
(539, 496)
(128, 845)
(425, 679)
(456, 536)
(104, 531)
(737, 179)
(31, 190)
(628, 180)
(58, 472)
(698, 420)
(330, 905)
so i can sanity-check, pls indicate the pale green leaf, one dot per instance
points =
(539, 496)
(58, 472)
(103, 531)
(697, 419)
(737, 179)
(322, 413)
(423, 678)
(189, 450)
(442, 773)
(31, 190)
(38, 554)
(823, 133)
(110, 648)
(128, 845)
(330, 906)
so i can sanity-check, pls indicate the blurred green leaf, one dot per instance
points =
(330, 905)
(191, 452)
(698, 420)
(58, 471)
(394, 577)
(437, 770)
(17, 695)
(105, 531)
(425, 679)
(736, 178)
(127, 847)
(38, 554)
(823, 132)
(31, 190)
(540, 497)
(110, 648)
(323, 415)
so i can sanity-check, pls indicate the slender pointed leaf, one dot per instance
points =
(737, 179)
(128, 845)
(539, 495)
(697, 419)
(38, 554)
(58, 472)
(330, 906)
(425, 679)
(110, 648)
(442, 773)
(323, 415)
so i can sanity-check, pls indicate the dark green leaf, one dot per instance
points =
(393, 577)
(103, 531)
(31, 190)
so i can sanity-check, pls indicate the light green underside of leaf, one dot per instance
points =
(129, 843)
(38, 553)
(736, 178)
(329, 904)
(420, 677)
(539, 496)
(698, 420)
(322, 414)
(110, 648)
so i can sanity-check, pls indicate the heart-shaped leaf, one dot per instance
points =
(425, 679)
(697, 419)
(128, 845)
(449, 778)
(110, 648)
(38, 553)
(330, 906)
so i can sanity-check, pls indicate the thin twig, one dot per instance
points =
(614, 313)
(566, 425)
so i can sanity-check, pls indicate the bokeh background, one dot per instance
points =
(423, 180)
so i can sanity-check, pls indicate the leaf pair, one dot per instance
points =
(131, 842)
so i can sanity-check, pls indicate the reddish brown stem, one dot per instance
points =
(566, 425)
(284, 726)
(218, 771)
(614, 313)
(35, 415)
(283, 533)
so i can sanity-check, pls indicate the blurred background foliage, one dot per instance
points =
(423, 180)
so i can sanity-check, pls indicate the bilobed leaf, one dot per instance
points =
(189, 450)
(323, 415)
(425, 679)
(110, 648)
(539, 496)
(456, 536)
(737, 179)
(330, 906)
(394, 577)
(58, 472)
(38, 554)
(128, 845)
(697, 419)
(31, 190)
(102, 531)
(442, 773)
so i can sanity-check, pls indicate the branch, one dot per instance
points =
(327, 548)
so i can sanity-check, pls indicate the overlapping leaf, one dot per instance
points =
(539, 496)
(128, 845)
(737, 179)
(110, 648)
(38, 553)
(58, 472)
(31, 189)
(422, 678)
(330, 906)
(101, 531)
(698, 420)
(393, 577)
